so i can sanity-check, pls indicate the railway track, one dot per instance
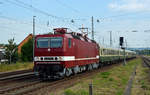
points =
(16, 87)
(146, 61)
(5, 74)
(15, 74)
(33, 87)
(9, 77)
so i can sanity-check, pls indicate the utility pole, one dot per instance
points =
(90, 89)
(99, 41)
(92, 28)
(33, 35)
(103, 41)
(122, 44)
(124, 53)
(110, 38)
(126, 43)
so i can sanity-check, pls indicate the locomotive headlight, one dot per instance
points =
(61, 58)
(36, 58)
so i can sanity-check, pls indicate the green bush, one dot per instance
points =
(27, 51)
(80, 92)
(111, 79)
(105, 74)
(69, 92)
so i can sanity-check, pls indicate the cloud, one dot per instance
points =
(130, 5)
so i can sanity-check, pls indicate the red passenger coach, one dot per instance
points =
(64, 53)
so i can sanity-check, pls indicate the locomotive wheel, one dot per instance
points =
(42, 77)
(67, 72)
(100, 65)
(90, 67)
(76, 70)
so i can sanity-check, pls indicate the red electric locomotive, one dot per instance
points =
(63, 53)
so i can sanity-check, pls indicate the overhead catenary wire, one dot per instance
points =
(27, 6)
(19, 30)
(39, 26)
(67, 6)
(71, 8)
(40, 11)
(32, 8)
(121, 15)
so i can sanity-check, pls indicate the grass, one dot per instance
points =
(141, 85)
(17, 66)
(112, 82)
(80, 92)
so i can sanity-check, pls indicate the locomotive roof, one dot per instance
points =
(63, 32)
(69, 35)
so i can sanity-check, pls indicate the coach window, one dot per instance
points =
(69, 42)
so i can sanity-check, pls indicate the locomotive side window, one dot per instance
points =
(42, 43)
(69, 42)
(55, 42)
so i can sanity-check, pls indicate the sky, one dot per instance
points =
(122, 17)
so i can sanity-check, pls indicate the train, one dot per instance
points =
(64, 53)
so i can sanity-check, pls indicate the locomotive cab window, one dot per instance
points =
(55, 42)
(42, 43)
(52, 42)
(69, 42)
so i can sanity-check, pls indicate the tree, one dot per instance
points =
(2, 45)
(27, 51)
(11, 51)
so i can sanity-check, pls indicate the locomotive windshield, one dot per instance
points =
(53, 42)
(42, 43)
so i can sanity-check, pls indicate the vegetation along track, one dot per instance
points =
(52, 86)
